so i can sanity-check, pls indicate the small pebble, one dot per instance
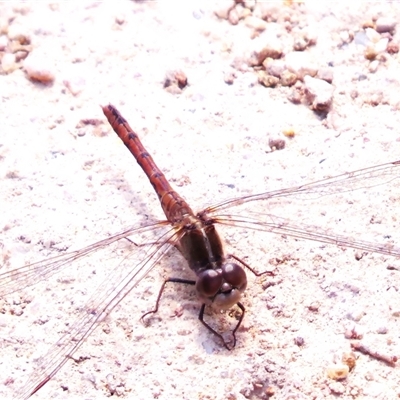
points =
(349, 359)
(337, 388)
(337, 371)
(25, 239)
(381, 45)
(311, 36)
(233, 17)
(353, 333)
(385, 24)
(243, 12)
(373, 49)
(325, 74)
(20, 55)
(257, 58)
(276, 144)
(368, 24)
(373, 66)
(19, 33)
(396, 313)
(372, 35)
(289, 132)
(175, 81)
(274, 67)
(392, 48)
(375, 99)
(3, 42)
(120, 19)
(255, 23)
(362, 77)
(370, 52)
(37, 69)
(319, 93)
(270, 391)
(267, 80)
(356, 314)
(16, 310)
(300, 64)
(300, 44)
(346, 36)
(314, 306)
(358, 255)
(382, 330)
(288, 78)
(3, 24)
(229, 77)
(295, 95)
(361, 38)
(222, 12)
(299, 341)
(8, 63)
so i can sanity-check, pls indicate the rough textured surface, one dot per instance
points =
(67, 181)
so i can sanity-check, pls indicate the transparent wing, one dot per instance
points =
(119, 282)
(278, 225)
(29, 275)
(301, 205)
(350, 181)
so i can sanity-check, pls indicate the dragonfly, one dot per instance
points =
(220, 278)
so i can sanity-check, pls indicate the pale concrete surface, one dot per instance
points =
(65, 186)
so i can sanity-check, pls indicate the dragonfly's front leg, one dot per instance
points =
(173, 280)
(226, 344)
(201, 313)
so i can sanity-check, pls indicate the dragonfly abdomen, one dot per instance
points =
(173, 205)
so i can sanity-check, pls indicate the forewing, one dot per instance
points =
(365, 178)
(343, 198)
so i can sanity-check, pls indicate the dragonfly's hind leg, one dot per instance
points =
(173, 280)
(227, 345)
(171, 242)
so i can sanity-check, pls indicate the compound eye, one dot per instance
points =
(234, 275)
(208, 283)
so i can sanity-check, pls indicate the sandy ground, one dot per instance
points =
(67, 181)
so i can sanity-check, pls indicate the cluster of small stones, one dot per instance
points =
(290, 64)
(16, 51)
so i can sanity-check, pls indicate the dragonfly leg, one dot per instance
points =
(173, 280)
(140, 244)
(227, 345)
(248, 266)
(171, 242)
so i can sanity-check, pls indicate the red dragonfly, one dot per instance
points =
(220, 278)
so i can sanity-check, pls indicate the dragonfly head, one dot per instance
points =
(222, 287)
